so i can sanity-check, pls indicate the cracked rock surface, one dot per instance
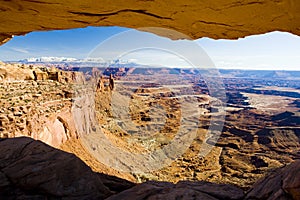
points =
(215, 19)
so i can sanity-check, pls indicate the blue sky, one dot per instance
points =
(276, 50)
(63, 43)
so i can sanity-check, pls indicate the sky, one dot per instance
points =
(275, 50)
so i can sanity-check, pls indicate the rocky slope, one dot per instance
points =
(36, 102)
(30, 169)
(251, 144)
(59, 112)
(215, 19)
(283, 183)
(52, 108)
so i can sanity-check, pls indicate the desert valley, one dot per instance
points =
(144, 100)
(110, 117)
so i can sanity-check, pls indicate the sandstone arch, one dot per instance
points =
(217, 19)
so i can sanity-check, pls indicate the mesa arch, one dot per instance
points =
(217, 19)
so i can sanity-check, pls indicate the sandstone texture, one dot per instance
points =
(36, 102)
(65, 109)
(30, 169)
(11, 72)
(283, 183)
(39, 102)
(252, 142)
(215, 19)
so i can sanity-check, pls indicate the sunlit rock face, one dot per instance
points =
(215, 19)
(36, 102)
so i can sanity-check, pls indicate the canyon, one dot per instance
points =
(79, 111)
(255, 155)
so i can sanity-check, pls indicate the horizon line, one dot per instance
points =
(169, 67)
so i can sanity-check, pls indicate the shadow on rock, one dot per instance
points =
(31, 169)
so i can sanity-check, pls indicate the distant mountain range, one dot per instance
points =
(226, 73)
(67, 60)
(55, 60)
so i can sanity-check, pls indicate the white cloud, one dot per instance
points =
(271, 51)
(19, 50)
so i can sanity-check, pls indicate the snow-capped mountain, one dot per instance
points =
(65, 59)
(49, 59)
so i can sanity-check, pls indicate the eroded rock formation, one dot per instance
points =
(281, 184)
(36, 102)
(30, 169)
(215, 19)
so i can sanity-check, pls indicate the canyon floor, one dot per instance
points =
(162, 125)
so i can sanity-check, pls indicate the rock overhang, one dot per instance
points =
(217, 19)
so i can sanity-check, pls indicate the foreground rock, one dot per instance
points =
(284, 183)
(182, 190)
(30, 169)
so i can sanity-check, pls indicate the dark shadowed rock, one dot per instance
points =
(30, 169)
(182, 190)
(283, 183)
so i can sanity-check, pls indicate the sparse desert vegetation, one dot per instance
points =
(144, 112)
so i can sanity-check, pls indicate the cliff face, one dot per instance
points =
(216, 19)
(37, 104)
(27, 167)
